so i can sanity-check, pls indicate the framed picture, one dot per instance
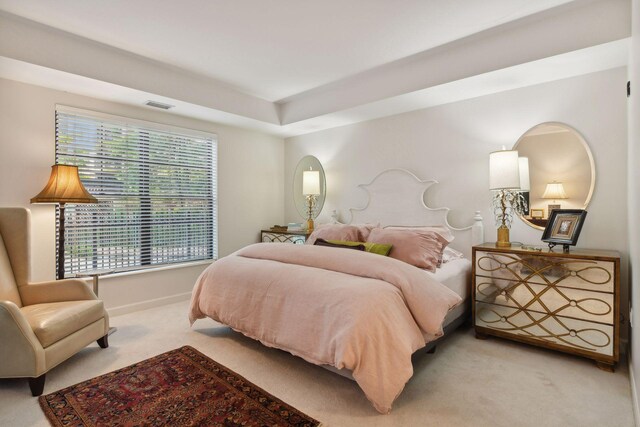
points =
(537, 213)
(564, 227)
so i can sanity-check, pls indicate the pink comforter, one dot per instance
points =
(339, 307)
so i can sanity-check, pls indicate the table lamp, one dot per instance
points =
(554, 191)
(311, 191)
(504, 176)
(64, 186)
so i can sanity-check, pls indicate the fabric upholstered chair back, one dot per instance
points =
(8, 287)
(14, 252)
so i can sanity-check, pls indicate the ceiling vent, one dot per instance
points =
(157, 104)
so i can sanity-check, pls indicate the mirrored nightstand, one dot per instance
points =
(296, 237)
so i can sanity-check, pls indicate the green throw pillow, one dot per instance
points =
(374, 248)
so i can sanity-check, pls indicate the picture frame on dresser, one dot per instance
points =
(537, 213)
(567, 302)
(564, 227)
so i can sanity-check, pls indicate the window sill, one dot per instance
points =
(156, 269)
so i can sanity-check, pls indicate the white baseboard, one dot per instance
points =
(143, 305)
(634, 395)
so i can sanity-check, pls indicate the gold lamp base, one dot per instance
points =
(309, 226)
(503, 237)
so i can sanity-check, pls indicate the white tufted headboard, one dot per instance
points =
(396, 197)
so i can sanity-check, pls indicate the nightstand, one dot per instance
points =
(297, 237)
(562, 301)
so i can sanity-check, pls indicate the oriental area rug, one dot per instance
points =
(182, 387)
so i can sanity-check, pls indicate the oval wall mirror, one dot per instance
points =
(307, 182)
(562, 173)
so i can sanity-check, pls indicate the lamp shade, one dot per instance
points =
(554, 190)
(504, 170)
(311, 182)
(523, 165)
(64, 186)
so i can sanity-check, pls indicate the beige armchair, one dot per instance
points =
(41, 324)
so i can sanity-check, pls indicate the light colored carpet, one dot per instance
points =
(467, 382)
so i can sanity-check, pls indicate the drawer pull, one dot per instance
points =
(605, 307)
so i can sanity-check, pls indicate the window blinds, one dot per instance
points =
(156, 187)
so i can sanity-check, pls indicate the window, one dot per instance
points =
(156, 187)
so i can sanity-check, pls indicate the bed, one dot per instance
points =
(357, 313)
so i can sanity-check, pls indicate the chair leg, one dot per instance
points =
(104, 341)
(37, 385)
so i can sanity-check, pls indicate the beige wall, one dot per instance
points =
(451, 143)
(250, 183)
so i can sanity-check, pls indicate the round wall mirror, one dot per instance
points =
(562, 173)
(313, 183)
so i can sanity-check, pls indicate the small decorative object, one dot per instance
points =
(504, 178)
(295, 226)
(64, 186)
(537, 213)
(311, 191)
(564, 228)
(531, 248)
(554, 191)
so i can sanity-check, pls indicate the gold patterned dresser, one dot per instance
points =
(563, 301)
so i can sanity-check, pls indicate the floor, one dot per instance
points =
(467, 382)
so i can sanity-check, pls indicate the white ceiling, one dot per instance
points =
(275, 49)
(289, 67)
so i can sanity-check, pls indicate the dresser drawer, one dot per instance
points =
(568, 302)
(559, 330)
(504, 268)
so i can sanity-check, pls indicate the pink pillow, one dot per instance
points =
(440, 229)
(349, 233)
(421, 248)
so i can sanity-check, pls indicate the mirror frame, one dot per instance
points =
(589, 154)
(303, 165)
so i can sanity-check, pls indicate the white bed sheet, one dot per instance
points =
(455, 275)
